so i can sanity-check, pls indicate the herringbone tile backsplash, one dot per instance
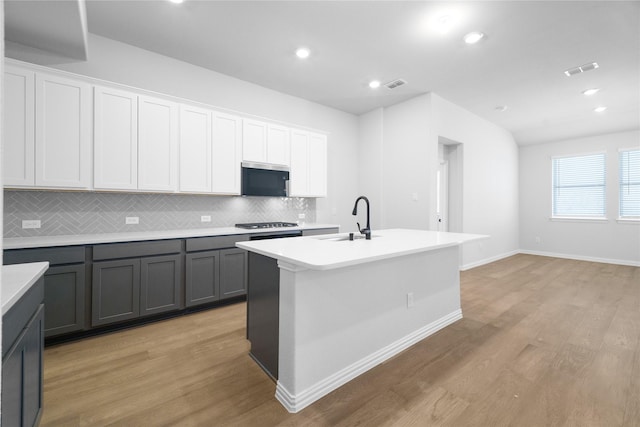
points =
(63, 213)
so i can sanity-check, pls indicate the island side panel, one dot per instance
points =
(336, 324)
(262, 312)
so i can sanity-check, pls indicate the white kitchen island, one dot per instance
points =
(345, 306)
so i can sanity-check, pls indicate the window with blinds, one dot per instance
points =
(630, 184)
(579, 186)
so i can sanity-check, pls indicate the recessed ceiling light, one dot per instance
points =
(501, 108)
(374, 84)
(590, 92)
(599, 109)
(176, 1)
(473, 37)
(303, 53)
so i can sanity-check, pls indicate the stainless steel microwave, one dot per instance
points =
(261, 179)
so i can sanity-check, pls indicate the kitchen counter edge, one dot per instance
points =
(92, 239)
(17, 279)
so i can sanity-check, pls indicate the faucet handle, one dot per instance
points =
(359, 229)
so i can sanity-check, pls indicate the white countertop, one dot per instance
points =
(327, 252)
(17, 279)
(136, 236)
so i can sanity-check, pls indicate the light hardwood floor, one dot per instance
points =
(543, 342)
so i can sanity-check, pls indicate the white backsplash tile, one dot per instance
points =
(63, 213)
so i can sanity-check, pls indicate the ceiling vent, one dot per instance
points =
(395, 83)
(581, 69)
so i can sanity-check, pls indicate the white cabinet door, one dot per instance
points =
(226, 154)
(63, 133)
(19, 128)
(317, 165)
(195, 149)
(254, 141)
(278, 145)
(299, 175)
(115, 139)
(308, 165)
(157, 144)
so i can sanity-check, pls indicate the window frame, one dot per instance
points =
(577, 217)
(622, 218)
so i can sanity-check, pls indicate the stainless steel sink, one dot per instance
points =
(342, 237)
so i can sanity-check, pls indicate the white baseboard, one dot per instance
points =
(295, 403)
(582, 258)
(488, 260)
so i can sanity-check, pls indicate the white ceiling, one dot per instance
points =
(520, 63)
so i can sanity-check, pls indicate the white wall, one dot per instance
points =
(370, 164)
(407, 152)
(489, 181)
(408, 156)
(609, 241)
(121, 63)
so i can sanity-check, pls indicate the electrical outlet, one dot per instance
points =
(301, 216)
(131, 220)
(538, 240)
(414, 197)
(205, 218)
(30, 223)
(410, 301)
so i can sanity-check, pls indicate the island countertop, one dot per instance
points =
(332, 251)
(17, 280)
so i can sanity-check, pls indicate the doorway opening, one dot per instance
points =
(449, 185)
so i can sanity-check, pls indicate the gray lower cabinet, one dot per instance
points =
(159, 284)
(214, 269)
(64, 297)
(65, 287)
(22, 367)
(202, 278)
(233, 272)
(115, 293)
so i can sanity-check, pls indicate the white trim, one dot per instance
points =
(582, 258)
(578, 219)
(484, 261)
(634, 220)
(621, 150)
(295, 403)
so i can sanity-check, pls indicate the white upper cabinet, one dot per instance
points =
(157, 144)
(308, 164)
(115, 139)
(226, 153)
(254, 141)
(265, 143)
(299, 175)
(278, 145)
(317, 165)
(63, 133)
(195, 149)
(19, 128)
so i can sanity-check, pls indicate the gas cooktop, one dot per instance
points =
(253, 225)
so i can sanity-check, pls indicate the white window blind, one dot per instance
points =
(579, 187)
(630, 184)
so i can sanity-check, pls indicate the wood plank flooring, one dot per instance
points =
(543, 342)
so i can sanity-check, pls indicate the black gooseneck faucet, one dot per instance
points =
(367, 230)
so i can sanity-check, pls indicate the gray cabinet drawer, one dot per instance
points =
(55, 256)
(212, 243)
(136, 249)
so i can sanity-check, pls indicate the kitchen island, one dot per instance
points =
(324, 309)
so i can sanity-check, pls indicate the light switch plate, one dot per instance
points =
(130, 220)
(31, 223)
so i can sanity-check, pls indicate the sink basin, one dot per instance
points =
(342, 237)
